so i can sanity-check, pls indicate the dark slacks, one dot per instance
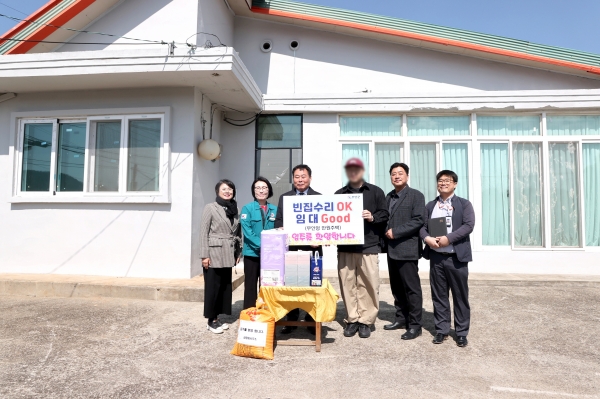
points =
(217, 292)
(406, 289)
(251, 280)
(447, 274)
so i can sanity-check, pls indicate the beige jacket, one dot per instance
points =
(219, 239)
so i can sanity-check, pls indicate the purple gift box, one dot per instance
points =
(273, 246)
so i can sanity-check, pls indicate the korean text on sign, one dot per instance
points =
(324, 219)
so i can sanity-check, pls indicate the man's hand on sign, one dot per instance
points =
(443, 241)
(389, 234)
(367, 216)
(432, 242)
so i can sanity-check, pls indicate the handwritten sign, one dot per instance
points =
(324, 219)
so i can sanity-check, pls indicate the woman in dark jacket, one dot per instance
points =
(257, 216)
(220, 250)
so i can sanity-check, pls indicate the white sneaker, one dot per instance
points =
(224, 326)
(214, 328)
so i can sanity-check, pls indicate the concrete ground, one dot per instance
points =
(526, 342)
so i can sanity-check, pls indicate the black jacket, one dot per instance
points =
(279, 220)
(406, 219)
(373, 201)
(463, 223)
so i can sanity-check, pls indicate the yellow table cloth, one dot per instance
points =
(319, 302)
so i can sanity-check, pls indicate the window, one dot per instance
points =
(438, 125)
(371, 126)
(538, 176)
(278, 150)
(385, 156)
(508, 125)
(113, 155)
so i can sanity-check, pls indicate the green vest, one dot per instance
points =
(253, 222)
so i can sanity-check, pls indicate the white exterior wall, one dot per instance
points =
(160, 20)
(338, 64)
(136, 240)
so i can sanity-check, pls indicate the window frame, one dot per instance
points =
(474, 142)
(91, 118)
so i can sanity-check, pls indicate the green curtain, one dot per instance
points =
(495, 194)
(527, 194)
(508, 125)
(355, 151)
(438, 125)
(456, 158)
(385, 156)
(591, 191)
(371, 126)
(581, 125)
(423, 169)
(564, 194)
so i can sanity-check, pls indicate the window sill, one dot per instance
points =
(138, 199)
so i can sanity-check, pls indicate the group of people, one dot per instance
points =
(395, 224)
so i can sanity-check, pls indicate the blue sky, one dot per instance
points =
(564, 23)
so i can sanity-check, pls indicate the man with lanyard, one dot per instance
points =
(358, 265)
(302, 177)
(449, 258)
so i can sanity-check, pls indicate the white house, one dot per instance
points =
(99, 169)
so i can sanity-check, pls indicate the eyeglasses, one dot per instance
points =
(445, 181)
(261, 189)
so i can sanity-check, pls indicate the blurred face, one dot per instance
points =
(301, 179)
(261, 190)
(225, 192)
(446, 185)
(399, 178)
(355, 174)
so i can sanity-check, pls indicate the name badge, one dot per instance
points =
(272, 217)
(448, 221)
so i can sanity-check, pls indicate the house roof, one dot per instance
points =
(79, 13)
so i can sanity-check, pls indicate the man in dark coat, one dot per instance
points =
(407, 215)
(302, 177)
(449, 258)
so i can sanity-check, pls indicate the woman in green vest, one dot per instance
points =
(256, 216)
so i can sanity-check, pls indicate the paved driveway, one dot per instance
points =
(525, 342)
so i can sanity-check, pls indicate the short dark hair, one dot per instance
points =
(399, 165)
(302, 167)
(447, 172)
(228, 183)
(264, 180)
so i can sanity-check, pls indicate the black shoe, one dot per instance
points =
(288, 329)
(440, 338)
(364, 331)
(351, 330)
(395, 326)
(412, 333)
(462, 341)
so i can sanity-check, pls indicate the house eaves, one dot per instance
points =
(423, 35)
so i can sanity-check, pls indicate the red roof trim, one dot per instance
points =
(430, 39)
(44, 31)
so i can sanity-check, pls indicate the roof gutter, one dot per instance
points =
(430, 39)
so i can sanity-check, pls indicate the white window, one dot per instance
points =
(90, 159)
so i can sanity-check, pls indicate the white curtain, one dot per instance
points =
(591, 190)
(455, 158)
(438, 125)
(564, 194)
(527, 194)
(495, 194)
(580, 125)
(385, 156)
(371, 126)
(355, 151)
(423, 169)
(508, 125)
